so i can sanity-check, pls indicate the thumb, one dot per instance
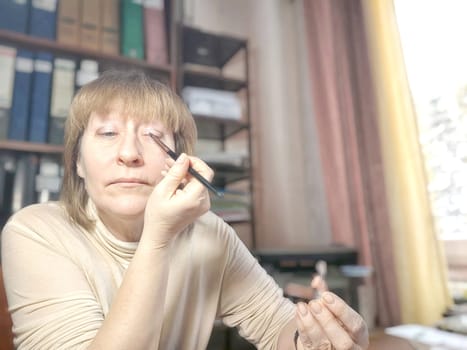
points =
(171, 182)
(319, 284)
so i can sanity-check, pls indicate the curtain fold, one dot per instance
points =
(420, 262)
(346, 120)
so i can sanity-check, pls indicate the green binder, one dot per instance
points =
(132, 38)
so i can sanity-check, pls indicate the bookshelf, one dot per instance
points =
(205, 61)
(31, 147)
(185, 67)
(20, 40)
(19, 36)
(177, 73)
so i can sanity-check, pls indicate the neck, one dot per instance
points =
(125, 229)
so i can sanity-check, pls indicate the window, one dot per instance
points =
(433, 42)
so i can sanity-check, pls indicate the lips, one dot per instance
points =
(129, 181)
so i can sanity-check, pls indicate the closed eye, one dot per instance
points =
(108, 133)
(153, 132)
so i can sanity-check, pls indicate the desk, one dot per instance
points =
(381, 341)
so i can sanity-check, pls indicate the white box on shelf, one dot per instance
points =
(212, 103)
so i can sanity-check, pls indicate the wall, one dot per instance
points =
(290, 205)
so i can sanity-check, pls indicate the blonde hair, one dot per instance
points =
(139, 97)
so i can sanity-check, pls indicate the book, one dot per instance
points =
(88, 71)
(63, 89)
(7, 72)
(7, 168)
(132, 39)
(48, 180)
(212, 103)
(68, 22)
(7, 175)
(23, 184)
(19, 120)
(109, 41)
(14, 15)
(40, 99)
(90, 24)
(155, 37)
(43, 17)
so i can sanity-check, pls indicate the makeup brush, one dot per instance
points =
(192, 171)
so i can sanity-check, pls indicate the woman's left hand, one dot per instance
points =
(329, 323)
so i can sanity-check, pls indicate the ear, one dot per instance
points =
(79, 168)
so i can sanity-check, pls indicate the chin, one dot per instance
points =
(130, 206)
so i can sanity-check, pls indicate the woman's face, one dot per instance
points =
(120, 163)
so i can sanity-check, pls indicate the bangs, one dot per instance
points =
(134, 97)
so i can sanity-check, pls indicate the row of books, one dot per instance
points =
(36, 90)
(133, 28)
(27, 179)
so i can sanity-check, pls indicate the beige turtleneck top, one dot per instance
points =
(60, 281)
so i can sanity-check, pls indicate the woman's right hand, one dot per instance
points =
(170, 208)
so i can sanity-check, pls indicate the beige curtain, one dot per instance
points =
(420, 262)
(348, 135)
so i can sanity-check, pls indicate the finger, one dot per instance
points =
(174, 176)
(310, 332)
(194, 185)
(169, 162)
(333, 329)
(202, 168)
(197, 164)
(349, 318)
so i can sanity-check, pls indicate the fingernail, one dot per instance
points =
(328, 298)
(315, 307)
(302, 308)
(181, 158)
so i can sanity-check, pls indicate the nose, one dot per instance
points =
(130, 151)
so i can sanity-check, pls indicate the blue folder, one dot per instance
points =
(40, 100)
(43, 18)
(18, 128)
(14, 15)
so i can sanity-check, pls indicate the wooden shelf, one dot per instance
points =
(216, 128)
(240, 221)
(34, 43)
(22, 146)
(210, 79)
(225, 174)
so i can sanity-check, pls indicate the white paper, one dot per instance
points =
(435, 338)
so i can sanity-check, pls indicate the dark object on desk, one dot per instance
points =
(305, 259)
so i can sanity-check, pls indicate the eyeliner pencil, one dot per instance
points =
(192, 171)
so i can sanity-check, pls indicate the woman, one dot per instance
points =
(131, 257)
